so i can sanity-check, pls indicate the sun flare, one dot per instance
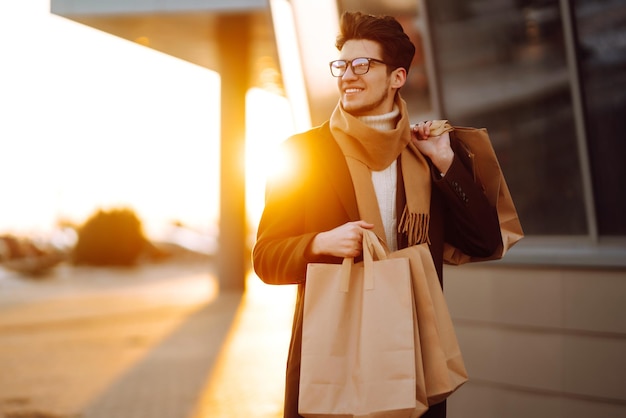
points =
(269, 123)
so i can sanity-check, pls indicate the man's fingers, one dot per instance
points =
(422, 130)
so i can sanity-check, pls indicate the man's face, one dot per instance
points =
(371, 93)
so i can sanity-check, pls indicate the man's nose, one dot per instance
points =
(349, 74)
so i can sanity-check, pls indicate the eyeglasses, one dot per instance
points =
(359, 66)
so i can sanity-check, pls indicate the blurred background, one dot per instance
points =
(156, 122)
(88, 121)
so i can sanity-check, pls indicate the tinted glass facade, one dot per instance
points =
(601, 46)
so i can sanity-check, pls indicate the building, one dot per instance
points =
(543, 331)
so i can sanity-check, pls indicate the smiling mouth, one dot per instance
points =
(352, 91)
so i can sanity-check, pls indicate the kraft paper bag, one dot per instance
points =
(358, 344)
(487, 172)
(440, 369)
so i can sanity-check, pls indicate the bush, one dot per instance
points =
(110, 238)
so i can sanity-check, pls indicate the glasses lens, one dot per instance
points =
(338, 68)
(360, 66)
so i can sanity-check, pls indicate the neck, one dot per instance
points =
(384, 122)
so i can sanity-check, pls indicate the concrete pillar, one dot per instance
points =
(233, 33)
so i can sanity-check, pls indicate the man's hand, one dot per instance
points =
(344, 241)
(437, 148)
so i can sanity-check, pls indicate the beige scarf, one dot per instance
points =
(367, 149)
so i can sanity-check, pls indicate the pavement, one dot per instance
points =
(156, 341)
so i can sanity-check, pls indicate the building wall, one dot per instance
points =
(539, 341)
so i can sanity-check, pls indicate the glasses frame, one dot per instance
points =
(349, 64)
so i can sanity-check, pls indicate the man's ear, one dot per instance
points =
(398, 77)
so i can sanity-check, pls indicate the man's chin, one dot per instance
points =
(351, 107)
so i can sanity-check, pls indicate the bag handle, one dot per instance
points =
(372, 247)
(346, 269)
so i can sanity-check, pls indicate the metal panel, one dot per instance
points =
(99, 7)
(577, 103)
(316, 26)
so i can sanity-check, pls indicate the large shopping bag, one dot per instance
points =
(440, 369)
(480, 155)
(358, 344)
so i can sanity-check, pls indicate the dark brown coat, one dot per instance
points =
(318, 195)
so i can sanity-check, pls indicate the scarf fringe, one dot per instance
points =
(415, 226)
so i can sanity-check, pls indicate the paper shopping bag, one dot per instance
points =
(480, 155)
(487, 172)
(440, 369)
(358, 356)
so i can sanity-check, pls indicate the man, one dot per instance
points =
(422, 191)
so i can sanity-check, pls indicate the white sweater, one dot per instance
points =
(385, 180)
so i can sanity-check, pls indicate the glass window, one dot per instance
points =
(502, 65)
(601, 30)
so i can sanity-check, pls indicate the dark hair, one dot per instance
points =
(397, 48)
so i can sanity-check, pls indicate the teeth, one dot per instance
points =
(352, 90)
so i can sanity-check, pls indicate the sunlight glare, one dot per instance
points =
(269, 122)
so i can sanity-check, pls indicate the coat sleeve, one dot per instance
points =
(279, 252)
(298, 205)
